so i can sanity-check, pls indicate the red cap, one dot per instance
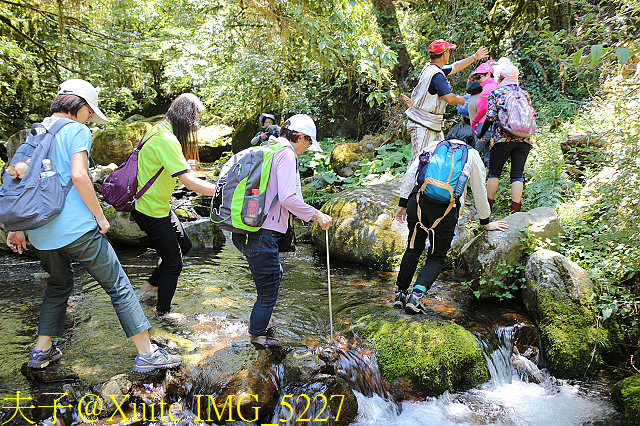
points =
(440, 46)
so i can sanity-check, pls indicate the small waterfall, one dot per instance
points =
(505, 362)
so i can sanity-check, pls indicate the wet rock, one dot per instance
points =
(175, 382)
(147, 393)
(463, 233)
(170, 340)
(436, 356)
(115, 391)
(54, 372)
(239, 375)
(327, 398)
(99, 173)
(364, 230)
(204, 234)
(123, 230)
(345, 157)
(483, 255)
(558, 296)
(114, 145)
(525, 334)
(301, 365)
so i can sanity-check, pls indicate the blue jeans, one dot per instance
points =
(261, 250)
(95, 254)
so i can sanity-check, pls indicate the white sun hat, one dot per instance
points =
(304, 124)
(86, 91)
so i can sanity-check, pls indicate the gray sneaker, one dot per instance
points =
(40, 359)
(415, 304)
(157, 359)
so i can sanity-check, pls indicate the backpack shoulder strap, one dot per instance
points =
(59, 124)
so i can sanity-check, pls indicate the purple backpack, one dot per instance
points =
(119, 188)
(517, 116)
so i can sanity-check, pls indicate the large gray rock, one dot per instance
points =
(115, 144)
(301, 365)
(483, 255)
(123, 230)
(213, 141)
(114, 391)
(204, 234)
(558, 295)
(245, 375)
(364, 230)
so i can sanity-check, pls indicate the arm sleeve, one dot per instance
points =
(481, 106)
(408, 182)
(439, 85)
(285, 163)
(485, 127)
(80, 137)
(169, 153)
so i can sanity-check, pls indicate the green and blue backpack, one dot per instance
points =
(239, 201)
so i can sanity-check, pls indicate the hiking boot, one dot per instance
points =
(515, 207)
(264, 341)
(400, 299)
(415, 303)
(40, 359)
(157, 359)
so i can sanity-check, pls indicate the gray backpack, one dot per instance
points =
(28, 202)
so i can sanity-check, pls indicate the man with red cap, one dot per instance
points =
(430, 97)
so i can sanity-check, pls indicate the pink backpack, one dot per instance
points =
(517, 116)
(119, 188)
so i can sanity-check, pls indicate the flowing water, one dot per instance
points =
(211, 310)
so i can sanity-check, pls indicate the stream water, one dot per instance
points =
(211, 310)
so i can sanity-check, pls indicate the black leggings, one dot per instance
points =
(169, 239)
(440, 242)
(501, 152)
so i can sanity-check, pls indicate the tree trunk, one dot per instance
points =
(385, 12)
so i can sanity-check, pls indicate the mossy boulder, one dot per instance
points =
(435, 356)
(345, 157)
(242, 135)
(558, 295)
(115, 144)
(364, 230)
(213, 141)
(627, 393)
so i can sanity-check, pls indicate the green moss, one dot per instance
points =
(627, 393)
(571, 337)
(115, 144)
(435, 356)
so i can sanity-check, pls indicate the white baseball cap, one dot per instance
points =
(86, 91)
(304, 124)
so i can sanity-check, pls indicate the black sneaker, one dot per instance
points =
(400, 299)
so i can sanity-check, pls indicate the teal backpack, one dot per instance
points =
(238, 204)
(440, 178)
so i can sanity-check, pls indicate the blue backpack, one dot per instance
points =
(31, 201)
(440, 177)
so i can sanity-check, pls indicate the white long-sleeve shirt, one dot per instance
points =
(474, 168)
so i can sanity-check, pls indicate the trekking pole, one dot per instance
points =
(329, 284)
